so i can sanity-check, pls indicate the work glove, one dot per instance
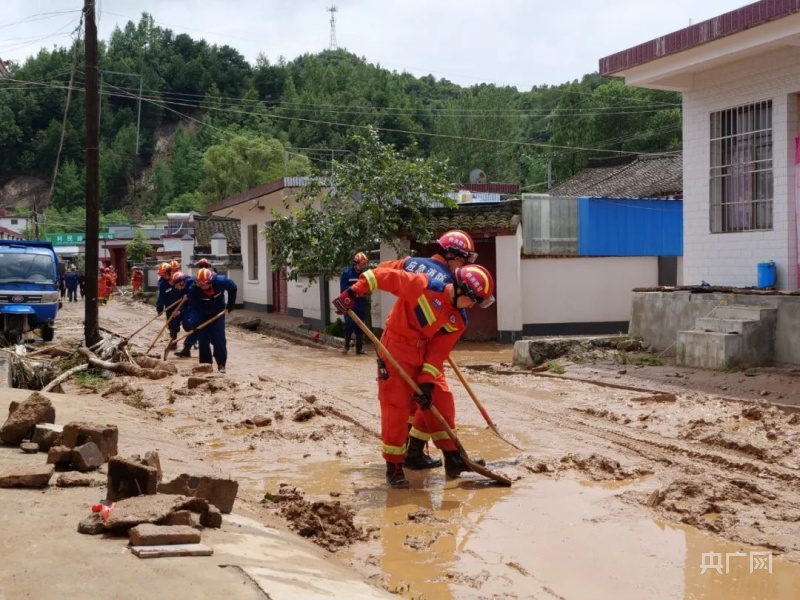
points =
(425, 398)
(346, 301)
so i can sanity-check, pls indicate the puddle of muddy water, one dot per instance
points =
(540, 538)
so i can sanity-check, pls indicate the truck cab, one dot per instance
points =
(29, 295)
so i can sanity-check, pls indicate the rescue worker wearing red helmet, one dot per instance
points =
(424, 325)
(456, 249)
(167, 296)
(204, 300)
(348, 278)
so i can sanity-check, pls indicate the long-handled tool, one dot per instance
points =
(151, 320)
(174, 343)
(478, 403)
(167, 322)
(413, 385)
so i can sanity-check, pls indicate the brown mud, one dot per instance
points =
(632, 474)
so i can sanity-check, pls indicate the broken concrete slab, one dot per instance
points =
(181, 517)
(219, 492)
(151, 459)
(212, 518)
(87, 457)
(46, 435)
(130, 512)
(105, 436)
(25, 416)
(60, 456)
(74, 479)
(148, 534)
(166, 551)
(127, 478)
(35, 476)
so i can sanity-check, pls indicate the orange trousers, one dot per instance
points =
(399, 409)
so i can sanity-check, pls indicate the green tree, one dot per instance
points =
(70, 190)
(138, 248)
(375, 198)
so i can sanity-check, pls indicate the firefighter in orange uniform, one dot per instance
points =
(422, 329)
(136, 279)
(103, 285)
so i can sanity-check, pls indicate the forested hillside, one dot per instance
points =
(212, 124)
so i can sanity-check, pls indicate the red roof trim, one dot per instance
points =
(735, 21)
(489, 188)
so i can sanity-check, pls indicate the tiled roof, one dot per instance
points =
(658, 176)
(205, 227)
(478, 219)
(492, 188)
(704, 32)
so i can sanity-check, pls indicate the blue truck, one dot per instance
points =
(29, 295)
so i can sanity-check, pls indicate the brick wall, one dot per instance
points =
(732, 258)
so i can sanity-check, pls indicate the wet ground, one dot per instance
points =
(675, 489)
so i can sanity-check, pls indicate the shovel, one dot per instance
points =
(478, 403)
(412, 384)
(174, 343)
(150, 321)
(166, 324)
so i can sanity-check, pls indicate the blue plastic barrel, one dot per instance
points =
(766, 274)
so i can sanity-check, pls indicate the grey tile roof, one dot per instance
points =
(478, 219)
(206, 226)
(627, 177)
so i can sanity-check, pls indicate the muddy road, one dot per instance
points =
(686, 487)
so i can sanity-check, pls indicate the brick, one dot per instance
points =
(147, 534)
(73, 479)
(211, 518)
(27, 477)
(46, 435)
(60, 456)
(219, 492)
(128, 478)
(87, 457)
(105, 436)
(180, 517)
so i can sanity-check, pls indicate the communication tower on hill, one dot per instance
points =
(333, 10)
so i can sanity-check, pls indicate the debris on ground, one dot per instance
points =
(23, 418)
(218, 491)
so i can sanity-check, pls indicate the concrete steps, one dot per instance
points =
(733, 336)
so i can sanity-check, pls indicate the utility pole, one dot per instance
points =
(333, 10)
(91, 326)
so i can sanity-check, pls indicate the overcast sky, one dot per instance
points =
(506, 42)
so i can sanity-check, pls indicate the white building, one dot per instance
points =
(739, 74)
(13, 222)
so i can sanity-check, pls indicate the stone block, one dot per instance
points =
(91, 525)
(87, 457)
(211, 518)
(21, 421)
(151, 459)
(127, 478)
(130, 512)
(60, 456)
(29, 447)
(105, 436)
(74, 479)
(219, 492)
(37, 476)
(46, 435)
(148, 534)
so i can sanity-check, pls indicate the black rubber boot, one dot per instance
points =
(360, 344)
(396, 477)
(416, 459)
(347, 339)
(454, 465)
(185, 353)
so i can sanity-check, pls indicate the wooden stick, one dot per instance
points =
(166, 324)
(64, 376)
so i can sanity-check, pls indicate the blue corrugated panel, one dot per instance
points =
(630, 227)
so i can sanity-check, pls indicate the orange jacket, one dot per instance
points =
(423, 311)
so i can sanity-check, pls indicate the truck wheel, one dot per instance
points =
(48, 332)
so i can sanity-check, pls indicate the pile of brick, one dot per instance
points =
(156, 515)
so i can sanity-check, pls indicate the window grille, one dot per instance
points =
(740, 179)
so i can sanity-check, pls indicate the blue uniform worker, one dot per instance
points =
(206, 298)
(167, 296)
(180, 285)
(71, 280)
(349, 277)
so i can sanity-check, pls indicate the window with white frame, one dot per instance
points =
(252, 252)
(740, 178)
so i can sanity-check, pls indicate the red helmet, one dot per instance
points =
(476, 283)
(204, 275)
(459, 243)
(178, 277)
(203, 263)
(164, 269)
(175, 265)
(360, 259)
